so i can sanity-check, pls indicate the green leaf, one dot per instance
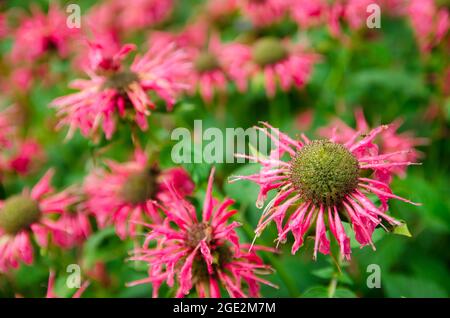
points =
(402, 230)
(411, 287)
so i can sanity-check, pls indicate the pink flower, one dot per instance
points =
(28, 155)
(26, 215)
(127, 193)
(401, 145)
(264, 12)
(43, 33)
(116, 91)
(199, 253)
(322, 184)
(51, 287)
(309, 13)
(121, 18)
(430, 24)
(278, 61)
(211, 71)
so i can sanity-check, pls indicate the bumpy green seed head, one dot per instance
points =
(139, 187)
(198, 232)
(205, 62)
(324, 172)
(18, 213)
(121, 80)
(268, 51)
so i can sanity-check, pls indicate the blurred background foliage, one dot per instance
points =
(381, 71)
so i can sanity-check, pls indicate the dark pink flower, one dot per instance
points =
(26, 215)
(51, 287)
(429, 23)
(120, 18)
(143, 13)
(26, 157)
(204, 253)
(279, 62)
(43, 33)
(310, 13)
(113, 91)
(322, 184)
(264, 12)
(126, 194)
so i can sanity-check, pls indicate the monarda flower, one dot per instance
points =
(26, 157)
(324, 183)
(279, 61)
(263, 12)
(126, 194)
(309, 13)
(211, 68)
(402, 145)
(43, 33)
(25, 215)
(201, 253)
(430, 23)
(116, 91)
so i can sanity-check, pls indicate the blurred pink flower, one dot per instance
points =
(28, 214)
(264, 12)
(429, 23)
(43, 33)
(199, 253)
(143, 13)
(127, 193)
(322, 183)
(27, 156)
(114, 91)
(309, 13)
(51, 287)
(120, 18)
(401, 145)
(277, 60)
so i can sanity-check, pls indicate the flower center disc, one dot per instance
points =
(197, 233)
(139, 187)
(324, 172)
(121, 80)
(268, 51)
(18, 213)
(205, 62)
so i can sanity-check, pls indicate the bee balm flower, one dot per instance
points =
(115, 91)
(200, 252)
(323, 183)
(25, 215)
(127, 193)
(278, 61)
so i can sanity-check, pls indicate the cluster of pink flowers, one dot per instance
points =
(319, 186)
(202, 253)
(27, 216)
